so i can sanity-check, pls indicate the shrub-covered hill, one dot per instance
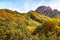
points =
(27, 26)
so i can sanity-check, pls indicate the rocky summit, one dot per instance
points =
(46, 10)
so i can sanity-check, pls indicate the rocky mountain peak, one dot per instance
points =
(46, 10)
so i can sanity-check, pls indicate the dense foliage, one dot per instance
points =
(28, 26)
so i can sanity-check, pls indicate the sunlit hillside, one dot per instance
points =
(28, 26)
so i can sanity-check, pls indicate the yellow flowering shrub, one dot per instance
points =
(30, 28)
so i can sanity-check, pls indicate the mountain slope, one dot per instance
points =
(21, 26)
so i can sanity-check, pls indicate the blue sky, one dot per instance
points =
(27, 5)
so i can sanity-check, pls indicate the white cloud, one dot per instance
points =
(54, 4)
(5, 5)
(30, 5)
(26, 5)
(10, 6)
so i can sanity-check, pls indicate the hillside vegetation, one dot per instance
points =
(28, 26)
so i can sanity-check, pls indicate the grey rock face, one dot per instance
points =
(46, 10)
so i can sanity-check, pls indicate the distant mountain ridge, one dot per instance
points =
(46, 10)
